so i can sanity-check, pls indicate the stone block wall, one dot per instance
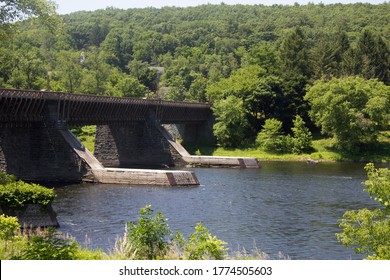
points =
(33, 216)
(132, 145)
(39, 153)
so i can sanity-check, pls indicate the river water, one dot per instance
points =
(286, 209)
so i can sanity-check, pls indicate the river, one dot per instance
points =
(286, 209)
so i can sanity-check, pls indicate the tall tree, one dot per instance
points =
(295, 73)
(96, 73)
(326, 55)
(294, 53)
(374, 56)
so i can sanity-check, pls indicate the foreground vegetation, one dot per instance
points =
(367, 231)
(148, 239)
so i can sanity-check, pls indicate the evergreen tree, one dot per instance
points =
(373, 55)
(294, 53)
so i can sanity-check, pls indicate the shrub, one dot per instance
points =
(203, 246)
(148, 235)
(368, 231)
(302, 138)
(271, 137)
(50, 248)
(6, 178)
(16, 195)
(9, 227)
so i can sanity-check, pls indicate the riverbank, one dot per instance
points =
(323, 150)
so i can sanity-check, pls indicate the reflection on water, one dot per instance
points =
(288, 208)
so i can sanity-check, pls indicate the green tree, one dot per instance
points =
(351, 109)
(230, 128)
(295, 73)
(96, 73)
(69, 70)
(29, 72)
(327, 54)
(323, 57)
(368, 231)
(145, 74)
(197, 90)
(121, 84)
(263, 54)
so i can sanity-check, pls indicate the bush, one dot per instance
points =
(49, 248)
(368, 231)
(302, 138)
(16, 195)
(6, 178)
(148, 235)
(271, 137)
(203, 246)
(9, 227)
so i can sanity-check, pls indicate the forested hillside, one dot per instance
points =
(255, 62)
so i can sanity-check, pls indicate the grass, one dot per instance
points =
(86, 135)
(323, 150)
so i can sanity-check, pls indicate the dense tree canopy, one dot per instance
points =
(264, 56)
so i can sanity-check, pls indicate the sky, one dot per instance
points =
(69, 6)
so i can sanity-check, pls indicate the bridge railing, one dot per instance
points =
(28, 106)
(51, 95)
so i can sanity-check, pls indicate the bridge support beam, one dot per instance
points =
(39, 153)
(133, 145)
